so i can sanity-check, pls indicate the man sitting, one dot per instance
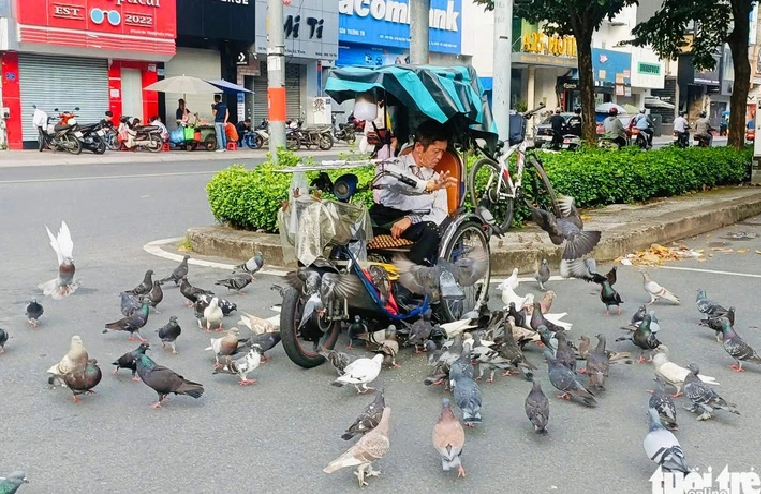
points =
(398, 213)
(645, 126)
(614, 129)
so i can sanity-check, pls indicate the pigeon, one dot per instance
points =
(74, 361)
(179, 272)
(362, 372)
(597, 365)
(198, 309)
(190, 292)
(565, 352)
(357, 329)
(542, 274)
(511, 281)
(639, 316)
(674, 374)
(420, 331)
(226, 306)
(369, 418)
(643, 338)
(509, 296)
(715, 321)
(251, 266)
(706, 306)
(10, 483)
(265, 342)
(662, 446)
(129, 360)
(334, 288)
(703, 397)
(379, 277)
(82, 381)
(586, 270)
(656, 291)
(66, 283)
(549, 339)
(390, 347)
(132, 323)
(737, 348)
(34, 311)
(462, 365)
(546, 301)
(164, 381)
(169, 333)
(538, 408)
(565, 380)
(226, 345)
(213, 315)
(129, 305)
(520, 317)
(468, 398)
(567, 229)
(243, 366)
(610, 296)
(538, 319)
(339, 360)
(236, 282)
(4, 336)
(449, 439)
(145, 286)
(308, 282)
(583, 350)
(661, 402)
(259, 325)
(370, 447)
(156, 295)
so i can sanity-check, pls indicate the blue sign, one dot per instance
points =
(608, 63)
(386, 23)
(349, 54)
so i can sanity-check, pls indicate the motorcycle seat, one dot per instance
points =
(60, 127)
(88, 127)
(147, 128)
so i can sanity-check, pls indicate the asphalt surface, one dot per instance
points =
(277, 435)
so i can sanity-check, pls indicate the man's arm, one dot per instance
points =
(214, 111)
(227, 114)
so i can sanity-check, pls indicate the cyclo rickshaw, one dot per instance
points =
(309, 224)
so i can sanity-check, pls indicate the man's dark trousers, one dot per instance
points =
(426, 235)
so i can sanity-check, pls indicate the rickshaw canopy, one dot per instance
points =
(451, 95)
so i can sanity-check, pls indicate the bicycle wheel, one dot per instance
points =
(544, 194)
(468, 236)
(488, 191)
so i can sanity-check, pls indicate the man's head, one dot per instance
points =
(181, 102)
(683, 114)
(642, 111)
(613, 112)
(577, 110)
(557, 110)
(702, 114)
(217, 98)
(430, 144)
(109, 115)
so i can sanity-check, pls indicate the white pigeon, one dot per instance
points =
(662, 446)
(259, 325)
(509, 295)
(213, 315)
(362, 371)
(556, 319)
(672, 373)
(656, 291)
(452, 329)
(512, 281)
(243, 366)
(66, 283)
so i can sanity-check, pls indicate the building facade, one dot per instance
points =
(92, 54)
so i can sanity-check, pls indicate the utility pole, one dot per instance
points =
(275, 76)
(419, 12)
(502, 66)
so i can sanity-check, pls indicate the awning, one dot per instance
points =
(229, 87)
(653, 102)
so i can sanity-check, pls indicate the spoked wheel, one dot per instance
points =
(544, 194)
(467, 237)
(292, 142)
(487, 190)
(302, 345)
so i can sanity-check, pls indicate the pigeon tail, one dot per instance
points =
(191, 389)
(55, 290)
(667, 295)
(471, 416)
(674, 461)
(448, 464)
(583, 243)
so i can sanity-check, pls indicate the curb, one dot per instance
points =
(617, 241)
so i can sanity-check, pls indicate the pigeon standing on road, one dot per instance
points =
(226, 345)
(236, 282)
(568, 229)
(169, 333)
(674, 374)
(468, 398)
(715, 321)
(565, 380)
(190, 292)
(164, 381)
(243, 366)
(4, 335)
(703, 397)
(213, 315)
(370, 447)
(339, 360)
(449, 439)
(706, 306)
(265, 342)
(10, 483)
(75, 360)
(610, 296)
(656, 291)
(129, 360)
(128, 304)
(737, 348)
(132, 323)
(369, 418)
(145, 286)
(179, 272)
(643, 338)
(565, 352)
(198, 309)
(538, 408)
(542, 274)
(362, 372)
(34, 311)
(254, 264)
(66, 283)
(82, 381)
(662, 403)
(156, 295)
(597, 365)
(662, 446)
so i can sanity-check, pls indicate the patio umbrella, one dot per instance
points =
(229, 87)
(631, 109)
(183, 84)
(605, 108)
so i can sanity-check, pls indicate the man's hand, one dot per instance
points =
(444, 181)
(400, 227)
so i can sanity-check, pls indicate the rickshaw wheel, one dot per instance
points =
(470, 234)
(300, 351)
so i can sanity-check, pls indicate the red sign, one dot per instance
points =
(152, 23)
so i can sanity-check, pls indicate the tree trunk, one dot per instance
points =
(738, 45)
(586, 86)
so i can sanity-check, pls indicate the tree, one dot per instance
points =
(715, 23)
(579, 18)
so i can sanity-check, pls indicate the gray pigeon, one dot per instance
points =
(169, 333)
(538, 408)
(567, 229)
(706, 306)
(715, 321)
(662, 446)
(129, 305)
(468, 399)
(420, 331)
(662, 402)
(339, 360)
(156, 295)
(10, 483)
(597, 365)
(265, 342)
(565, 352)
(643, 338)
(703, 397)
(565, 380)
(179, 272)
(639, 316)
(462, 366)
(369, 418)
(542, 274)
(586, 270)
(145, 286)
(4, 335)
(254, 264)
(737, 348)
(236, 282)
(34, 311)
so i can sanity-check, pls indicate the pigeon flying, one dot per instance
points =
(34, 311)
(369, 418)
(165, 381)
(129, 360)
(568, 229)
(65, 284)
(449, 439)
(538, 408)
(169, 333)
(179, 272)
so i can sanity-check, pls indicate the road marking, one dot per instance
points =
(78, 179)
(713, 271)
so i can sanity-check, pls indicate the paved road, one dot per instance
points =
(277, 435)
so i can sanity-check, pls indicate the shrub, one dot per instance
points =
(249, 199)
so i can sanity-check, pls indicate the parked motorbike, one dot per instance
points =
(570, 142)
(344, 132)
(134, 136)
(93, 137)
(703, 140)
(62, 136)
(682, 139)
(259, 137)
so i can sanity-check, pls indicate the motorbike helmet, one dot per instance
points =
(613, 112)
(558, 110)
(577, 109)
(702, 114)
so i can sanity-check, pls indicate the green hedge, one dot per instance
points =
(249, 199)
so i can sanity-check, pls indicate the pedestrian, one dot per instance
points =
(219, 110)
(182, 114)
(557, 123)
(723, 125)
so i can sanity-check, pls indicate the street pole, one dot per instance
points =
(275, 76)
(502, 66)
(419, 12)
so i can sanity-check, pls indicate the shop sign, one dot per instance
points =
(558, 46)
(649, 68)
(310, 29)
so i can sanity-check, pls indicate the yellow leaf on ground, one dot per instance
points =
(758, 252)
(701, 259)
(703, 250)
(585, 217)
(742, 251)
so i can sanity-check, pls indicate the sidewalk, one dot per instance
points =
(626, 229)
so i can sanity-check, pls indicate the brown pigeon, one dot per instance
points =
(449, 439)
(226, 345)
(65, 284)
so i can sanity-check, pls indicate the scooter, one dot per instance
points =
(344, 132)
(259, 137)
(570, 142)
(62, 136)
(135, 136)
(703, 140)
(93, 137)
(640, 139)
(682, 139)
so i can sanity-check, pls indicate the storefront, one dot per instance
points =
(96, 55)
(311, 45)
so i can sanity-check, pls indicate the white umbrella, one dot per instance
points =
(183, 84)
(605, 108)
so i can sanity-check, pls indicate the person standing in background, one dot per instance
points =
(182, 114)
(219, 110)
